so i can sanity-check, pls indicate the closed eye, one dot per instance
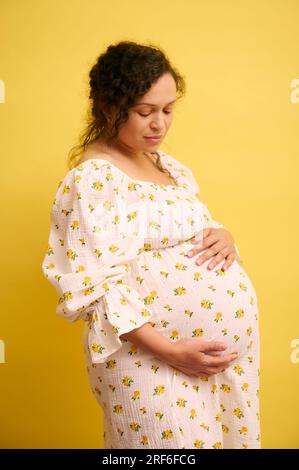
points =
(144, 115)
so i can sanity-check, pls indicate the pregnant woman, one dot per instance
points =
(171, 345)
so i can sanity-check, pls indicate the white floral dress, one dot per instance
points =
(117, 256)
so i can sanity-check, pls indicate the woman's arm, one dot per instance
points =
(147, 338)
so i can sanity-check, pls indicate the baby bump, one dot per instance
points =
(190, 301)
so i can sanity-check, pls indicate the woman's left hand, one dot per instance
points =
(220, 244)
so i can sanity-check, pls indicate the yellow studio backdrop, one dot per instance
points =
(237, 129)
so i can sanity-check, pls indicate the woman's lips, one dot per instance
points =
(153, 139)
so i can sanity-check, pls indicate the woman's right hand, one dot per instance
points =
(197, 358)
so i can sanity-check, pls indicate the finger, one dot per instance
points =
(214, 250)
(219, 257)
(210, 346)
(207, 241)
(229, 261)
(219, 361)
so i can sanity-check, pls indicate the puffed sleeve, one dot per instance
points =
(90, 247)
(191, 182)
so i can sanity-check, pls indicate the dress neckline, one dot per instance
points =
(134, 180)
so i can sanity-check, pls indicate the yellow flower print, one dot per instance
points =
(199, 444)
(205, 427)
(89, 290)
(236, 338)
(155, 368)
(165, 240)
(105, 286)
(50, 266)
(218, 317)
(66, 189)
(180, 266)
(132, 186)
(67, 295)
(168, 307)
(217, 445)
(80, 269)
(181, 402)
(245, 387)
(98, 348)
(135, 426)
(90, 207)
(86, 280)
(127, 381)
(243, 430)
(159, 415)
(174, 334)
(238, 413)
(230, 292)
(143, 410)
(71, 254)
(218, 417)
(118, 409)
(225, 388)
(214, 388)
(242, 287)
(111, 364)
(220, 272)
(225, 429)
(223, 409)
(164, 323)
(147, 247)
(239, 313)
(197, 332)
(212, 288)
(132, 216)
(205, 303)
(180, 290)
(197, 276)
(238, 369)
(77, 178)
(97, 185)
(167, 434)
(66, 212)
(136, 395)
(192, 413)
(149, 300)
(189, 313)
(75, 225)
(164, 273)
(144, 440)
(224, 331)
(249, 331)
(50, 250)
(157, 254)
(98, 252)
(159, 390)
(113, 248)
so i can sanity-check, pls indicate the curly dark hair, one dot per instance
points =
(122, 74)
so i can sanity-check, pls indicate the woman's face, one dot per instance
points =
(151, 115)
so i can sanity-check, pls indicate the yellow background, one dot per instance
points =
(237, 129)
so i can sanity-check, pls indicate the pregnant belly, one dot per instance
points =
(191, 301)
